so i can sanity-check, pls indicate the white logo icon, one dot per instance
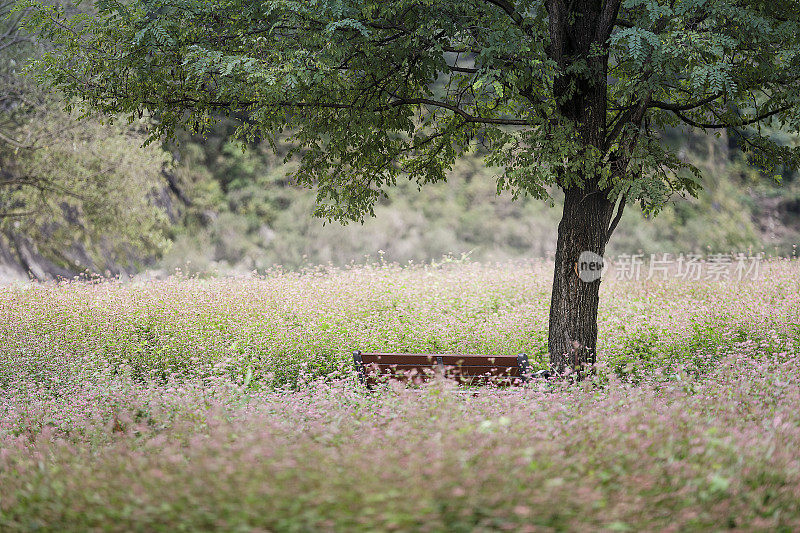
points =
(590, 267)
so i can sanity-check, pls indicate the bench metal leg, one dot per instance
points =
(524, 367)
(359, 364)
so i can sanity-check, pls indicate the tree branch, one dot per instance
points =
(13, 142)
(464, 70)
(632, 115)
(511, 11)
(711, 126)
(617, 217)
(458, 111)
(557, 23)
(607, 20)
(685, 107)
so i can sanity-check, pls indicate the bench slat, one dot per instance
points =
(470, 360)
(372, 368)
(463, 368)
(398, 359)
(450, 359)
(372, 380)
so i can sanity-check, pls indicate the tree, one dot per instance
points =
(73, 195)
(568, 95)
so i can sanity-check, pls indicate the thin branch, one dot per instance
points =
(685, 107)
(632, 115)
(617, 217)
(711, 126)
(16, 214)
(13, 142)
(465, 70)
(513, 14)
(463, 114)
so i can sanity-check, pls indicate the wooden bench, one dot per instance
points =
(373, 368)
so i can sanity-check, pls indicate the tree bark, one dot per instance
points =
(573, 307)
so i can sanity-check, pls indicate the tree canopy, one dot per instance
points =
(558, 94)
(373, 90)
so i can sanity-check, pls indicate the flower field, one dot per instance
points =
(230, 404)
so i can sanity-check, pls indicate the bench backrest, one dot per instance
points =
(466, 369)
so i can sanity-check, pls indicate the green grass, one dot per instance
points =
(230, 404)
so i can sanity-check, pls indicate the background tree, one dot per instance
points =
(567, 94)
(74, 196)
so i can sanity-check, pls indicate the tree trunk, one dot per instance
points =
(579, 32)
(573, 308)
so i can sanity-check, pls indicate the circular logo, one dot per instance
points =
(590, 267)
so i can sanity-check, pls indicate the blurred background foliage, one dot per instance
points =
(245, 214)
(87, 196)
(75, 195)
